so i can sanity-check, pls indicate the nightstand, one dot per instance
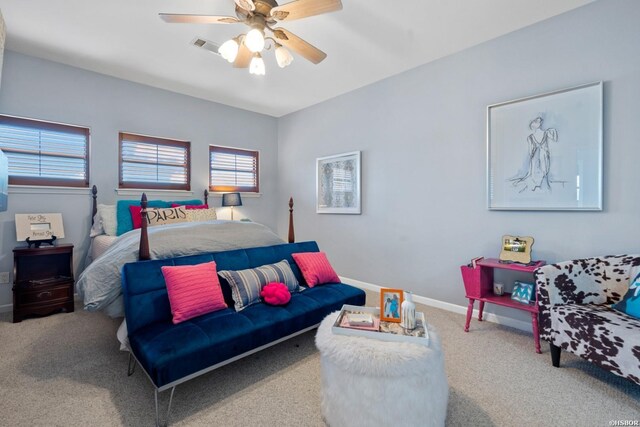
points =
(42, 280)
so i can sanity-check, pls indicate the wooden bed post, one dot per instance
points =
(94, 209)
(143, 253)
(292, 237)
(206, 197)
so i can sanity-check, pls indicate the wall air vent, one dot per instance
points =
(205, 44)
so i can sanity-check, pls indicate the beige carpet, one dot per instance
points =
(66, 370)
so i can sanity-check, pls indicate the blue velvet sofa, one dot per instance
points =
(171, 354)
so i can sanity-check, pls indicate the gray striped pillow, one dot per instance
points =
(247, 284)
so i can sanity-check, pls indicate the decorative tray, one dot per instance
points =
(384, 331)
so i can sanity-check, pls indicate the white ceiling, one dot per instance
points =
(367, 41)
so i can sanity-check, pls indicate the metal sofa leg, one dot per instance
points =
(555, 355)
(166, 420)
(132, 366)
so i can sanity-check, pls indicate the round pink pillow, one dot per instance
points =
(275, 293)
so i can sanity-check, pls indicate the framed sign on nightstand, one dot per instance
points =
(40, 226)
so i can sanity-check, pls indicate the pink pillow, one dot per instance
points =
(315, 268)
(193, 290)
(275, 293)
(135, 216)
(175, 205)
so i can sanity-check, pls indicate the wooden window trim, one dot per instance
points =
(51, 126)
(239, 189)
(158, 141)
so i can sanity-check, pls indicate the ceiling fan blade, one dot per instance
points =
(299, 46)
(176, 18)
(243, 59)
(246, 5)
(303, 8)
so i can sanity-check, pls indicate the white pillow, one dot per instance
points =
(107, 216)
(195, 215)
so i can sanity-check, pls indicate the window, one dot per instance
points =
(45, 153)
(233, 169)
(150, 162)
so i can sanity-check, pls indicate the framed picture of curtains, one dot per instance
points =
(544, 152)
(338, 184)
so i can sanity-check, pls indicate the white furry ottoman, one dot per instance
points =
(367, 382)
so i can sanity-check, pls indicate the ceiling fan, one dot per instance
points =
(245, 50)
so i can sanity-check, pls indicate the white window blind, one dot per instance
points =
(150, 162)
(233, 169)
(45, 153)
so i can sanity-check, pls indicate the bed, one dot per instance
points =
(99, 284)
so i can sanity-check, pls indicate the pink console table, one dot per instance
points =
(478, 284)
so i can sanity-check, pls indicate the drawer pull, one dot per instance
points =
(45, 294)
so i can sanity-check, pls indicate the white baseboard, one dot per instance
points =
(489, 317)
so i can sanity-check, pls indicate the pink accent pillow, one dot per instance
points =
(175, 205)
(135, 216)
(275, 293)
(315, 268)
(193, 290)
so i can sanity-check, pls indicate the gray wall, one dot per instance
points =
(422, 136)
(41, 89)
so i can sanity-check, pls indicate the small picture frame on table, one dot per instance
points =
(523, 292)
(390, 304)
(516, 249)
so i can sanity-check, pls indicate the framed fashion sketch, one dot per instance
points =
(338, 184)
(544, 152)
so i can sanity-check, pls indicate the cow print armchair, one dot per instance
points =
(575, 299)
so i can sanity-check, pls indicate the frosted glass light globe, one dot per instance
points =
(229, 50)
(283, 56)
(254, 40)
(257, 65)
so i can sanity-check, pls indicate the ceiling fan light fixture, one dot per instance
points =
(283, 56)
(255, 40)
(257, 65)
(229, 50)
(261, 15)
